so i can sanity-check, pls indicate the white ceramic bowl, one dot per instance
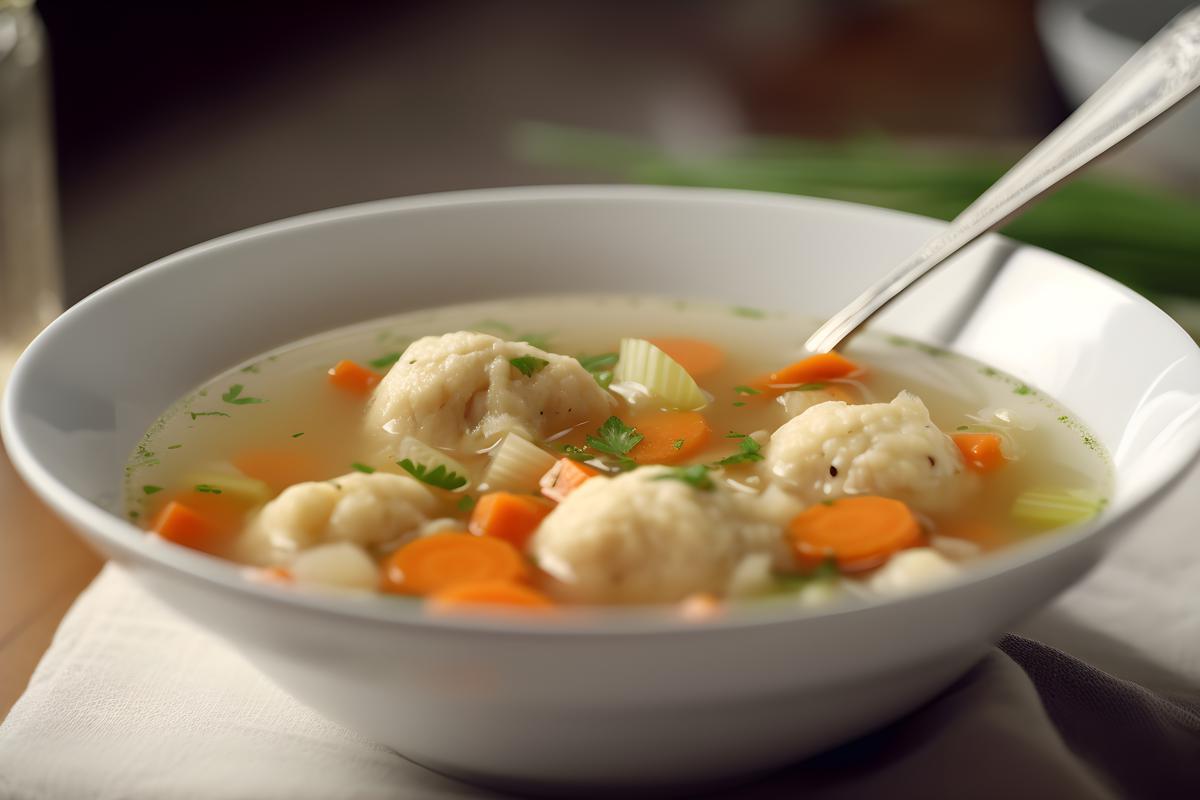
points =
(625, 699)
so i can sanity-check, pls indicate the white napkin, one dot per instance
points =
(133, 702)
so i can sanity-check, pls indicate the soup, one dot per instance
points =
(599, 450)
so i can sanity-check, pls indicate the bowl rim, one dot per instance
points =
(215, 573)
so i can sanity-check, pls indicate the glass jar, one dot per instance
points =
(30, 293)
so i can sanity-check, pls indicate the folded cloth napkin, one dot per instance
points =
(133, 702)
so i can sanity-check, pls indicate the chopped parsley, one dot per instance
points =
(439, 476)
(695, 476)
(739, 404)
(235, 397)
(616, 439)
(747, 390)
(1022, 389)
(361, 467)
(748, 451)
(748, 313)
(527, 365)
(383, 362)
(576, 453)
(148, 489)
(297, 435)
(252, 368)
(963, 428)
(195, 414)
(174, 446)
(466, 503)
(735, 435)
(601, 367)
(207, 488)
(678, 443)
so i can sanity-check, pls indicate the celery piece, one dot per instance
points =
(643, 363)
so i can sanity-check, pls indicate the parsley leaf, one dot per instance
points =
(746, 390)
(466, 503)
(195, 414)
(695, 476)
(438, 476)
(678, 443)
(148, 489)
(297, 435)
(234, 396)
(383, 362)
(207, 488)
(748, 451)
(735, 435)
(362, 467)
(527, 365)
(748, 313)
(600, 366)
(614, 438)
(738, 404)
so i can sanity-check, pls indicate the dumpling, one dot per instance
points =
(461, 391)
(639, 538)
(358, 508)
(890, 449)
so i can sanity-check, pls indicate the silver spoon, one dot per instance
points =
(1161, 74)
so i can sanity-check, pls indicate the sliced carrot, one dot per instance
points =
(564, 477)
(280, 467)
(437, 562)
(468, 596)
(858, 532)
(508, 516)
(353, 377)
(669, 437)
(185, 526)
(698, 357)
(814, 369)
(981, 451)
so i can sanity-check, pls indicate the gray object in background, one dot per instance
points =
(29, 265)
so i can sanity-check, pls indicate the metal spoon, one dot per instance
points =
(1161, 74)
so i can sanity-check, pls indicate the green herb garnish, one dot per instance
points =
(678, 443)
(1022, 389)
(383, 362)
(600, 366)
(234, 396)
(747, 390)
(207, 488)
(615, 438)
(466, 503)
(195, 414)
(748, 313)
(360, 467)
(739, 404)
(439, 476)
(748, 451)
(174, 446)
(735, 435)
(297, 435)
(148, 489)
(695, 476)
(963, 428)
(527, 365)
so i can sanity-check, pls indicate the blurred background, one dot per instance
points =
(177, 122)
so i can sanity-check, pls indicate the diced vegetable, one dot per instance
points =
(507, 516)
(340, 565)
(353, 377)
(483, 594)
(433, 563)
(236, 487)
(183, 525)
(699, 607)
(858, 532)
(643, 363)
(564, 477)
(669, 437)
(814, 369)
(698, 357)
(279, 468)
(517, 465)
(424, 463)
(983, 452)
(1052, 509)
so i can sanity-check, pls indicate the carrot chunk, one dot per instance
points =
(697, 357)
(857, 532)
(981, 451)
(508, 516)
(669, 437)
(483, 594)
(821, 367)
(182, 525)
(437, 562)
(564, 477)
(353, 377)
(279, 468)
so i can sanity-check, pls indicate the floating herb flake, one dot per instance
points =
(527, 365)
(361, 467)
(385, 361)
(439, 476)
(614, 438)
(297, 435)
(748, 313)
(695, 476)
(678, 443)
(148, 489)
(235, 397)
(748, 451)
(739, 404)
(174, 446)
(600, 366)
(746, 390)
(1022, 390)
(466, 503)
(195, 414)
(207, 488)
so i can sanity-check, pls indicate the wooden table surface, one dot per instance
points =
(43, 566)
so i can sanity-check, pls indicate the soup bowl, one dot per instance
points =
(617, 698)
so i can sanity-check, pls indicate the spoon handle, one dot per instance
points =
(1161, 74)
